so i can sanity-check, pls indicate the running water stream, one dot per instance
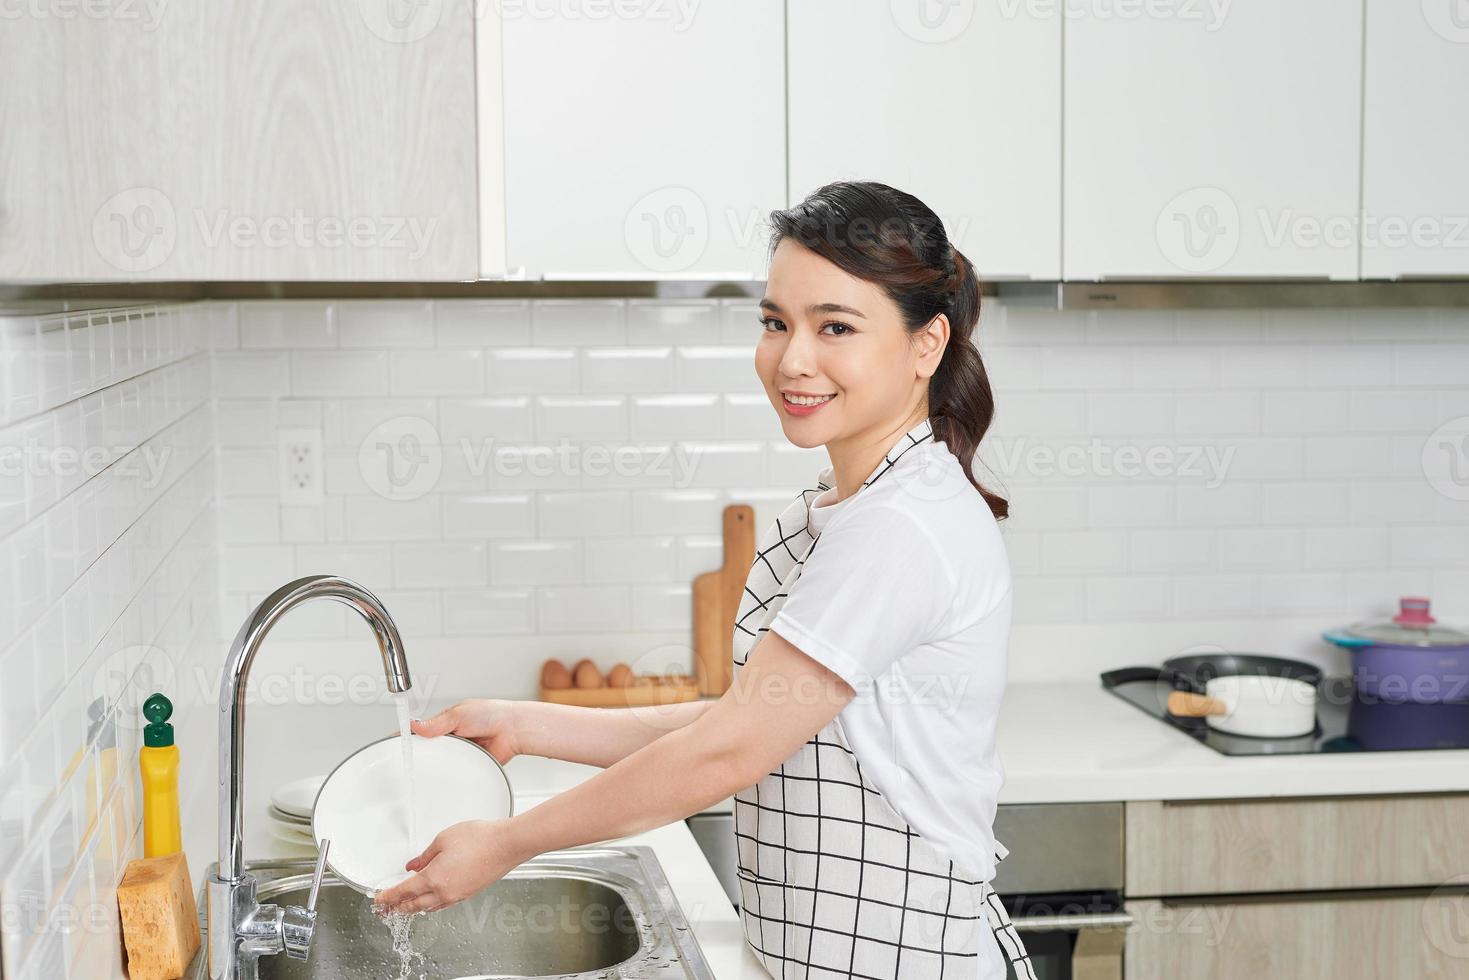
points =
(410, 797)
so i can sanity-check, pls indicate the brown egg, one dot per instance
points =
(619, 676)
(555, 676)
(585, 674)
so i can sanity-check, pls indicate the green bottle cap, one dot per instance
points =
(158, 733)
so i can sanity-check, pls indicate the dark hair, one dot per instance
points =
(884, 236)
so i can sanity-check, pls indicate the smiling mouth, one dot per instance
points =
(807, 400)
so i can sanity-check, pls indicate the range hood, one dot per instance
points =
(1215, 294)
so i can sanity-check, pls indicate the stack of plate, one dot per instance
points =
(290, 810)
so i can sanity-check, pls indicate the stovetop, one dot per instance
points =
(1345, 722)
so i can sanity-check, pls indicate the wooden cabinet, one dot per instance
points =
(957, 104)
(1415, 146)
(1213, 140)
(1345, 888)
(231, 140)
(1214, 847)
(1362, 936)
(643, 142)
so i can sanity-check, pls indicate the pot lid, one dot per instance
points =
(1412, 626)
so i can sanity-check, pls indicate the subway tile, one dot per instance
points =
(684, 322)
(373, 518)
(716, 369)
(662, 607)
(472, 516)
(290, 325)
(1214, 595)
(1305, 503)
(640, 559)
(1084, 368)
(1083, 552)
(583, 609)
(739, 321)
(1259, 549)
(589, 514)
(699, 553)
(626, 370)
(477, 612)
(578, 322)
(1305, 411)
(533, 371)
(581, 418)
(751, 417)
(339, 373)
(305, 523)
(1173, 550)
(1129, 326)
(440, 564)
(436, 372)
(678, 416)
(1180, 368)
(482, 322)
(241, 374)
(480, 419)
(385, 323)
(535, 562)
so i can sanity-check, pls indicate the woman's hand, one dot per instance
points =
(488, 722)
(463, 859)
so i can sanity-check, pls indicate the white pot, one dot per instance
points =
(1251, 704)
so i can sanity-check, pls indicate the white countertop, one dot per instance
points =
(1064, 742)
(1076, 742)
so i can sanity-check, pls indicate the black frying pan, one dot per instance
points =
(1193, 671)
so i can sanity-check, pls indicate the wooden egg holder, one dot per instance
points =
(644, 689)
(716, 603)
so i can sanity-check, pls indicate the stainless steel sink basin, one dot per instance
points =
(580, 913)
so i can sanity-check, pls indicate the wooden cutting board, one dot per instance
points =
(717, 601)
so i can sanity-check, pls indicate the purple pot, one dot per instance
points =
(1410, 659)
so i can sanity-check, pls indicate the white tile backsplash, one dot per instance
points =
(109, 589)
(1159, 464)
(548, 475)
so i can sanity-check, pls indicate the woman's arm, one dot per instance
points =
(593, 736)
(780, 698)
(598, 736)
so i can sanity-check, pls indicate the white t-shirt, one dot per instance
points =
(906, 596)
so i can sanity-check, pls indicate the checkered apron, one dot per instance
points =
(833, 882)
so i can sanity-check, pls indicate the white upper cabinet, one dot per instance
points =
(1415, 161)
(958, 104)
(319, 139)
(643, 140)
(1215, 139)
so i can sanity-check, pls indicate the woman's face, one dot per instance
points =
(830, 334)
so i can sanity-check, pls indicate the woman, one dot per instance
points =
(858, 736)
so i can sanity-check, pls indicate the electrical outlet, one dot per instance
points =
(300, 465)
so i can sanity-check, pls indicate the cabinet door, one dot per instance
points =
(1212, 847)
(1326, 936)
(322, 139)
(1415, 146)
(643, 140)
(957, 104)
(1212, 139)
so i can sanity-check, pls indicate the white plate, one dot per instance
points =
(292, 834)
(297, 797)
(361, 808)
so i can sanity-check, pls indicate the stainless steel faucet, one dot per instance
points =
(241, 930)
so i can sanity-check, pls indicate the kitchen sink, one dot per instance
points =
(582, 913)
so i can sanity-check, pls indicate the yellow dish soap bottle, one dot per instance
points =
(158, 761)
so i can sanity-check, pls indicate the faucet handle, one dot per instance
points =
(298, 924)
